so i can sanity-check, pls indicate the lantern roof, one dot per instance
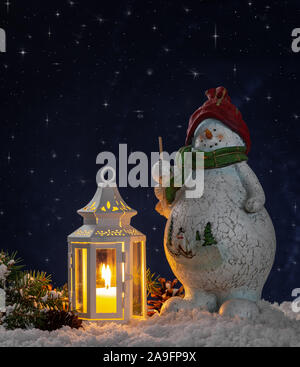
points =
(107, 200)
(106, 215)
(107, 207)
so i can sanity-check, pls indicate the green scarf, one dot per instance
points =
(218, 158)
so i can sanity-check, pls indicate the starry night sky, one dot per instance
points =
(81, 77)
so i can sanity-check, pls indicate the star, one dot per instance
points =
(215, 36)
(105, 104)
(31, 171)
(8, 158)
(71, 3)
(7, 5)
(187, 10)
(54, 155)
(154, 228)
(57, 13)
(22, 52)
(100, 20)
(149, 72)
(296, 116)
(49, 32)
(248, 99)
(195, 74)
(269, 97)
(234, 69)
(154, 28)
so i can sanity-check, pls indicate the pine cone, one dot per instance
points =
(162, 294)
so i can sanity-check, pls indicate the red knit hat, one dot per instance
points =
(219, 107)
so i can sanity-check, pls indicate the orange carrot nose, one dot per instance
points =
(208, 134)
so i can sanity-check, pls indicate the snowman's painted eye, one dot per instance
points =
(215, 130)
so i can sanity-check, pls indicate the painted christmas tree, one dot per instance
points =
(208, 236)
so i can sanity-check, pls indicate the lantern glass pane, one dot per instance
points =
(81, 280)
(138, 279)
(106, 281)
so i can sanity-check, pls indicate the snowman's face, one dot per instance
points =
(212, 134)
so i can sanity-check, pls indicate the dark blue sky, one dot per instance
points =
(76, 73)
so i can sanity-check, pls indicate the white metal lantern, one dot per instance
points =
(107, 260)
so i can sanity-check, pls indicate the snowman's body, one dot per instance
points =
(246, 241)
(237, 266)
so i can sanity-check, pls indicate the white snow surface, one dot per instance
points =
(276, 326)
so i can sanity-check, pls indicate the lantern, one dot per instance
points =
(107, 260)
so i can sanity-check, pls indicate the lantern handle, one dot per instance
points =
(102, 181)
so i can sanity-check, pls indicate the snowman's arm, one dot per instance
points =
(255, 193)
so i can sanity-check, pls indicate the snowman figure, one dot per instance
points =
(220, 246)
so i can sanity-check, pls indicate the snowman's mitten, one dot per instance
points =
(254, 205)
(159, 192)
(162, 207)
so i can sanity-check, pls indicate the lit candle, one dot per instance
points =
(106, 297)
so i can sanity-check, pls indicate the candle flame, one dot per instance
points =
(106, 275)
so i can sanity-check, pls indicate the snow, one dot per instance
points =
(190, 329)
